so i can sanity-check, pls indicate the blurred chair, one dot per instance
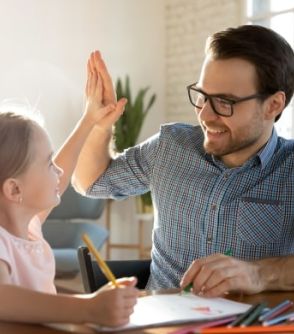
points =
(65, 225)
(93, 278)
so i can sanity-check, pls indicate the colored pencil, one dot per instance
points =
(249, 329)
(253, 316)
(243, 316)
(282, 318)
(228, 252)
(188, 287)
(208, 324)
(273, 312)
(103, 266)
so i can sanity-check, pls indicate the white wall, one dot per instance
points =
(189, 23)
(45, 45)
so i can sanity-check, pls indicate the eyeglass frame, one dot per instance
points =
(231, 102)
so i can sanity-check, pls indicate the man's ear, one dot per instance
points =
(275, 104)
(11, 190)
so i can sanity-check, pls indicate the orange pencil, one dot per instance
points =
(103, 266)
(249, 329)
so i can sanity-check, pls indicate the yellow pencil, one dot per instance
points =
(103, 266)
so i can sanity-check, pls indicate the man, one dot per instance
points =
(227, 184)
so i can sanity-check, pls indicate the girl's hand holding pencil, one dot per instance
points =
(113, 304)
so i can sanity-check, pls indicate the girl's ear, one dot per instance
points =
(11, 190)
(275, 105)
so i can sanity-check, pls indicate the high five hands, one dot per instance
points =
(100, 94)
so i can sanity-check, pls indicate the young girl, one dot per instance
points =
(31, 182)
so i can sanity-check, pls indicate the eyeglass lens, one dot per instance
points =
(219, 105)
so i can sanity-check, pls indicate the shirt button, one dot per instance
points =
(209, 238)
(213, 206)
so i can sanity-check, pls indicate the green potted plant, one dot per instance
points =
(128, 127)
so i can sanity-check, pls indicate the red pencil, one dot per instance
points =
(195, 328)
(250, 329)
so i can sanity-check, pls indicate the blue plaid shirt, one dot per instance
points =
(202, 207)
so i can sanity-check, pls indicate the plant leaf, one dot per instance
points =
(127, 129)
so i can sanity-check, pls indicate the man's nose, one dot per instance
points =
(207, 113)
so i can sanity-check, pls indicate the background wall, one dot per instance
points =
(45, 45)
(188, 24)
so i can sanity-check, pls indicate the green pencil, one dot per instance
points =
(228, 252)
(253, 316)
(243, 316)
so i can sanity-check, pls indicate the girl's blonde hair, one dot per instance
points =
(16, 129)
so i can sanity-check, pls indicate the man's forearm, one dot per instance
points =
(277, 273)
(93, 159)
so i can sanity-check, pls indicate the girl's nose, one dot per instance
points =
(59, 171)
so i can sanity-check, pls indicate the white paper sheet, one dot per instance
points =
(156, 310)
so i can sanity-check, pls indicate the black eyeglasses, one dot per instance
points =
(220, 104)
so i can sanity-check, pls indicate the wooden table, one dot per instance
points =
(271, 298)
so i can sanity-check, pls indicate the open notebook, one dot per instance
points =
(170, 309)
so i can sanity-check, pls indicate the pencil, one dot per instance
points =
(228, 252)
(279, 319)
(254, 315)
(250, 329)
(209, 324)
(277, 310)
(243, 316)
(103, 266)
(188, 287)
